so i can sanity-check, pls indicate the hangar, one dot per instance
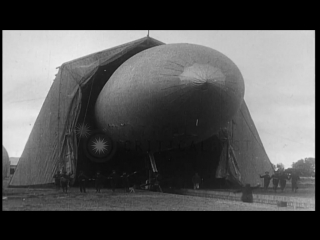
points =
(67, 124)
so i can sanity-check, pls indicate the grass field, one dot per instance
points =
(49, 199)
(18, 199)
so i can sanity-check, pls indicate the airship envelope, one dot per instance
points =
(168, 93)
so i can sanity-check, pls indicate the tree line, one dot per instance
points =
(305, 167)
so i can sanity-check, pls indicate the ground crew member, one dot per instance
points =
(113, 179)
(64, 180)
(283, 180)
(266, 180)
(196, 181)
(57, 177)
(156, 182)
(275, 180)
(82, 178)
(125, 181)
(99, 181)
(294, 180)
(247, 193)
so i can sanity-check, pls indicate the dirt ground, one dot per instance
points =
(24, 199)
(301, 192)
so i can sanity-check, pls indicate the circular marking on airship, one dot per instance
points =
(202, 73)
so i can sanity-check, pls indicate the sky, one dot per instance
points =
(278, 68)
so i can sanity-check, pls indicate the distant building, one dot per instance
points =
(12, 169)
(5, 163)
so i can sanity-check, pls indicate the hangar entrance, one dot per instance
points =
(177, 167)
(122, 161)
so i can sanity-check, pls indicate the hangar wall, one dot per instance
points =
(53, 142)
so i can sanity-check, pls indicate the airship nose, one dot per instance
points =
(202, 75)
(170, 92)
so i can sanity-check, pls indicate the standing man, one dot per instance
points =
(57, 177)
(283, 180)
(82, 178)
(266, 180)
(275, 180)
(125, 181)
(294, 180)
(113, 179)
(157, 181)
(64, 180)
(196, 181)
(99, 181)
(247, 193)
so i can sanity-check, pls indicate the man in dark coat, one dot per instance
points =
(113, 180)
(266, 180)
(82, 178)
(155, 182)
(247, 193)
(196, 181)
(283, 180)
(294, 180)
(275, 180)
(99, 181)
(57, 177)
(125, 181)
(64, 180)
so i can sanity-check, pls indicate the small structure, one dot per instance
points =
(5, 164)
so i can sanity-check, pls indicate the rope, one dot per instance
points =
(85, 114)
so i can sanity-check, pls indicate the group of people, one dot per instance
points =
(100, 179)
(280, 177)
(62, 180)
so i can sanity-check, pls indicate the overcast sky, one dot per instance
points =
(278, 68)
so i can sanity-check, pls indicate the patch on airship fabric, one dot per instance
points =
(202, 73)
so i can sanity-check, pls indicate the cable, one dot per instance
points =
(85, 114)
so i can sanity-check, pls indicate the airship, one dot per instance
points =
(170, 93)
(146, 106)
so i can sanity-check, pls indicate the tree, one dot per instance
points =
(280, 166)
(306, 167)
